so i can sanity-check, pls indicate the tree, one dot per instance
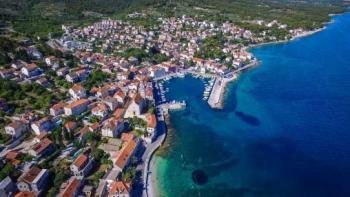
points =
(7, 170)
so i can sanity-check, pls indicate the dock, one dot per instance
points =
(215, 100)
(217, 94)
(173, 105)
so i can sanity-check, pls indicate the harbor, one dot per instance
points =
(218, 90)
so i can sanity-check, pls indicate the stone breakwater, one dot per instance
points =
(216, 98)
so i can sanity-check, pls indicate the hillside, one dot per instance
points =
(38, 17)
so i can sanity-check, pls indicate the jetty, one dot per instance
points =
(217, 93)
(173, 105)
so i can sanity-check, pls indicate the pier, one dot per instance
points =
(173, 105)
(217, 94)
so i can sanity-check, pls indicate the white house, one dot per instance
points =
(77, 91)
(112, 127)
(100, 110)
(42, 125)
(30, 70)
(16, 128)
(76, 107)
(35, 180)
(81, 166)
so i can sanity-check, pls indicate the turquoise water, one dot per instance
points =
(284, 131)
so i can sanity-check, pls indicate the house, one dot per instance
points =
(129, 148)
(7, 187)
(41, 125)
(13, 157)
(31, 70)
(62, 72)
(104, 91)
(82, 133)
(151, 126)
(72, 77)
(77, 92)
(118, 113)
(34, 180)
(82, 74)
(76, 107)
(73, 188)
(57, 109)
(119, 189)
(70, 126)
(112, 127)
(135, 107)
(120, 96)
(81, 166)
(43, 82)
(16, 128)
(25, 194)
(34, 52)
(100, 110)
(87, 190)
(18, 64)
(111, 102)
(42, 148)
(39, 138)
(50, 60)
(149, 94)
(7, 73)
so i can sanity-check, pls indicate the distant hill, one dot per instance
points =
(38, 17)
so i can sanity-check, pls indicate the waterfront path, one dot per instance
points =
(148, 154)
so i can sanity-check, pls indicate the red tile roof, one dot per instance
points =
(25, 194)
(81, 161)
(31, 175)
(128, 149)
(119, 187)
(78, 103)
(38, 148)
(71, 188)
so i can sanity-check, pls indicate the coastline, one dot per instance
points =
(219, 103)
(153, 166)
(304, 34)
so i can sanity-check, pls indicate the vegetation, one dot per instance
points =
(48, 161)
(26, 96)
(25, 157)
(4, 138)
(211, 47)
(58, 174)
(40, 17)
(8, 170)
(96, 78)
(136, 122)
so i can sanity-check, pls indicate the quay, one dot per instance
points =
(217, 94)
(161, 110)
(173, 105)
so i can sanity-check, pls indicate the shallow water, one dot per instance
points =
(284, 131)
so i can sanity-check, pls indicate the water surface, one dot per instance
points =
(284, 131)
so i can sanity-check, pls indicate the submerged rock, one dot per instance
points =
(199, 177)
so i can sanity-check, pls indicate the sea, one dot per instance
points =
(284, 130)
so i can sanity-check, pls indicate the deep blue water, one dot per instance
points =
(284, 131)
